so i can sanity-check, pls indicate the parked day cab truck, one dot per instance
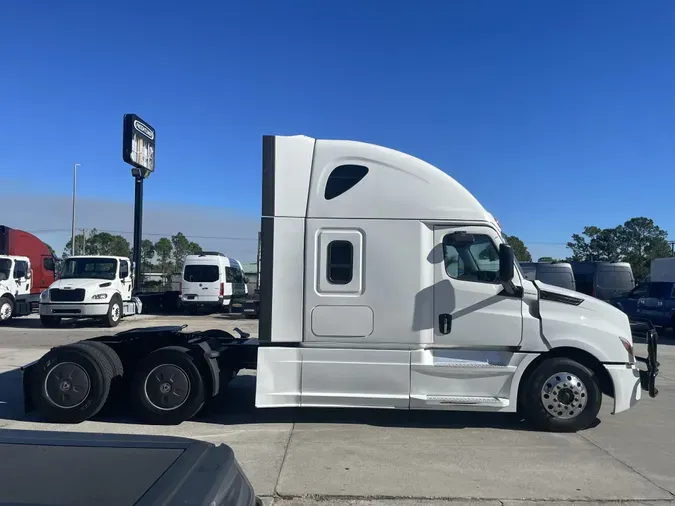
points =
(26, 268)
(90, 287)
(385, 284)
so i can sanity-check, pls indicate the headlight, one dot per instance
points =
(629, 348)
(100, 296)
(44, 295)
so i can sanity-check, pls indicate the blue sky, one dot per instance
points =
(555, 115)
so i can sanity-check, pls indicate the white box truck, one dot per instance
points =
(385, 284)
(90, 287)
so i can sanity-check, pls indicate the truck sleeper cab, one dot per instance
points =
(90, 287)
(384, 284)
(213, 280)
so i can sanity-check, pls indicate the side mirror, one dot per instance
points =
(505, 263)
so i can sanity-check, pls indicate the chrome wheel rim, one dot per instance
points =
(167, 387)
(67, 385)
(115, 312)
(5, 311)
(564, 395)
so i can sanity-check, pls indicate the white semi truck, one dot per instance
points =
(90, 287)
(385, 284)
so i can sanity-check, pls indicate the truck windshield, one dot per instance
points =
(5, 268)
(103, 268)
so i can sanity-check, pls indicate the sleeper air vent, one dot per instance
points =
(343, 178)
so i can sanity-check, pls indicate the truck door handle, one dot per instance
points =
(444, 323)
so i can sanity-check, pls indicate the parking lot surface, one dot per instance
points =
(364, 457)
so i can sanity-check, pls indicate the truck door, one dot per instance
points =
(471, 307)
(125, 280)
(22, 277)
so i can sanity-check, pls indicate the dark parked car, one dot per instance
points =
(39, 467)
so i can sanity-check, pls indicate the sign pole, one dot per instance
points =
(138, 232)
(138, 150)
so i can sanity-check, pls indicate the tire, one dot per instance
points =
(50, 322)
(554, 378)
(64, 369)
(158, 376)
(6, 309)
(111, 355)
(115, 312)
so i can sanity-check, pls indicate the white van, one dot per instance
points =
(211, 279)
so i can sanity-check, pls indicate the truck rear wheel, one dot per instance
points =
(167, 388)
(114, 316)
(50, 321)
(71, 383)
(561, 395)
(6, 309)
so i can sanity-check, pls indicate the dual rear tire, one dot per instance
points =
(71, 384)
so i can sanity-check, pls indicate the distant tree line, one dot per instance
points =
(165, 256)
(638, 241)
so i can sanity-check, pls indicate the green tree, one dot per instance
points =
(183, 247)
(546, 259)
(638, 241)
(99, 243)
(147, 254)
(79, 250)
(164, 249)
(519, 249)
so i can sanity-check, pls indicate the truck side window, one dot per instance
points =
(340, 262)
(342, 179)
(477, 261)
(48, 264)
(20, 269)
(124, 269)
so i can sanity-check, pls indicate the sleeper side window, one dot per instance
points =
(471, 257)
(340, 262)
(343, 178)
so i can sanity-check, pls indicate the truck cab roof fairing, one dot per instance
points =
(296, 170)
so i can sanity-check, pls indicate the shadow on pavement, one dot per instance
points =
(236, 406)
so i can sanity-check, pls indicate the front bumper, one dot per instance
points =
(70, 310)
(648, 375)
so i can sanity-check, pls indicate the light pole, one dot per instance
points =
(72, 235)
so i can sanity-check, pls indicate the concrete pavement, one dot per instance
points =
(368, 457)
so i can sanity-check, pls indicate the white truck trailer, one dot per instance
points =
(90, 287)
(385, 284)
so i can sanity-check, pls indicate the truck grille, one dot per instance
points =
(58, 295)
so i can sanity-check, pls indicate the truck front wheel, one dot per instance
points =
(561, 395)
(6, 309)
(112, 319)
